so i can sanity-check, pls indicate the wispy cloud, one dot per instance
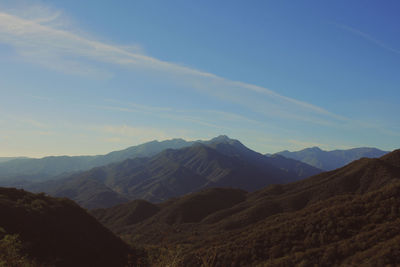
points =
(166, 113)
(205, 117)
(43, 41)
(368, 37)
(22, 121)
(39, 97)
(136, 132)
(140, 107)
(34, 123)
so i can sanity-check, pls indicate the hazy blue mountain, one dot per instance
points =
(5, 159)
(330, 160)
(170, 173)
(19, 172)
(28, 169)
(220, 162)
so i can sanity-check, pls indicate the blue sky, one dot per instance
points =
(89, 77)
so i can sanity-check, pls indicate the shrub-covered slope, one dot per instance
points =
(57, 232)
(350, 216)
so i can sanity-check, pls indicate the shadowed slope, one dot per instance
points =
(191, 208)
(125, 214)
(58, 232)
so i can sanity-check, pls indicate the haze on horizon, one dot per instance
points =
(84, 78)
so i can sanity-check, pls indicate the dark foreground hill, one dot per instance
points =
(221, 162)
(347, 217)
(54, 232)
(330, 160)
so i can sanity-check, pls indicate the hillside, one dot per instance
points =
(87, 192)
(330, 160)
(57, 232)
(222, 162)
(344, 217)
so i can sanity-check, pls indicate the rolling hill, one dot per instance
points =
(349, 216)
(330, 160)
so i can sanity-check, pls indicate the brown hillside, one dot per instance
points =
(58, 232)
(349, 216)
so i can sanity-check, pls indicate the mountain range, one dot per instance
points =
(212, 203)
(156, 171)
(17, 171)
(330, 160)
(220, 162)
(348, 216)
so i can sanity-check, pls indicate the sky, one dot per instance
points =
(90, 77)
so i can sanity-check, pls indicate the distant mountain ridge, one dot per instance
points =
(220, 162)
(18, 171)
(5, 159)
(330, 160)
(29, 169)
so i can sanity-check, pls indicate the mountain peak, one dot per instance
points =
(224, 139)
(314, 148)
(221, 138)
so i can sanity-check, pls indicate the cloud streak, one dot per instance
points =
(65, 50)
(136, 132)
(216, 116)
(166, 113)
(368, 38)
